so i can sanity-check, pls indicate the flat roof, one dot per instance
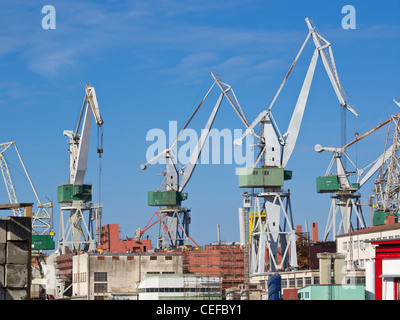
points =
(11, 206)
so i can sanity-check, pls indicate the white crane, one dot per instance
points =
(345, 196)
(387, 185)
(267, 229)
(41, 220)
(174, 229)
(75, 195)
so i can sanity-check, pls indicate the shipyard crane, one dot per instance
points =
(266, 208)
(387, 184)
(344, 193)
(75, 196)
(41, 220)
(175, 219)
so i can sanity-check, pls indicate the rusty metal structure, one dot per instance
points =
(217, 260)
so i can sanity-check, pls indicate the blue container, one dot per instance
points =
(274, 287)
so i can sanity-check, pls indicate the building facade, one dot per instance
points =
(358, 247)
(99, 276)
(179, 287)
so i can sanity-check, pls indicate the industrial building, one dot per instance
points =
(96, 276)
(15, 255)
(357, 246)
(179, 287)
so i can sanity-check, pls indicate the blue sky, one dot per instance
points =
(150, 63)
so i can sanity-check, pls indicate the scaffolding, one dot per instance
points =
(303, 245)
(217, 260)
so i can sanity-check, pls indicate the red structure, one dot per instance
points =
(387, 270)
(314, 229)
(110, 241)
(224, 260)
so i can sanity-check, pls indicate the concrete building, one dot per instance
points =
(332, 268)
(15, 256)
(358, 248)
(99, 276)
(289, 280)
(179, 287)
(330, 272)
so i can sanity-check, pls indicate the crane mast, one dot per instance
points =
(387, 184)
(344, 193)
(271, 220)
(41, 220)
(75, 196)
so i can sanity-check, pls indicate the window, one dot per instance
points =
(168, 257)
(82, 277)
(291, 283)
(299, 282)
(100, 287)
(100, 276)
(79, 277)
(316, 280)
(284, 283)
(153, 258)
(307, 281)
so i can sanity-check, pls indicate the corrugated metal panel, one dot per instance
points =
(261, 177)
(165, 198)
(328, 184)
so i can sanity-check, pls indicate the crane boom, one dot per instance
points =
(371, 131)
(79, 143)
(288, 140)
(330, 66)
(377, 165)
(295, 122)
(180, 184)
(199, 147)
